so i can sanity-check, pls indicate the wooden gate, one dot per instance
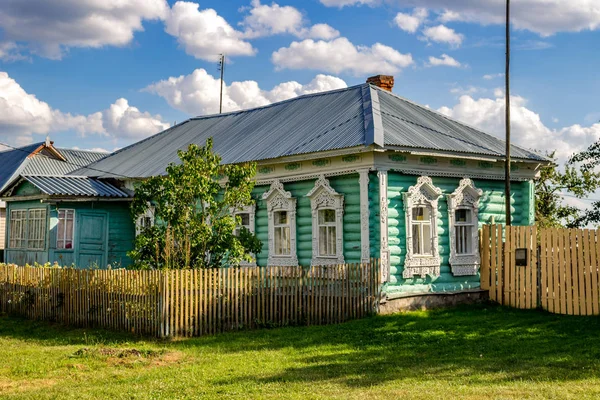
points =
(555, 269)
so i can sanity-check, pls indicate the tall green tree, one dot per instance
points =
(193, 210)
(551, 210)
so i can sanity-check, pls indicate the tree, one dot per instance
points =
(550, 208)
(193, 210)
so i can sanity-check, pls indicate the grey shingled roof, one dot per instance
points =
(357, 116)
(74, 186)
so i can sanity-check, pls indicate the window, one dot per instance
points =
(463, 206)
(327, 220)
(18, 220)
(327, 235)
(463, 232)
(36, 228)
(144, 221)
(65, 229)
(247, 216)
(421, 231)
(282, 233)
(420, 206)
(281, 209)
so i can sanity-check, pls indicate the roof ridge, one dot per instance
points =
(302, 96)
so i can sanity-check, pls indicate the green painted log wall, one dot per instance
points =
(347, 185)
(491, 207)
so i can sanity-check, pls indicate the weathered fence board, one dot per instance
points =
(183, 303)
(562, 271)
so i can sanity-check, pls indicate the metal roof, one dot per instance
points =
(410, 125)
(74, 186)
(357, 116)
(11, 162)
(40, 164)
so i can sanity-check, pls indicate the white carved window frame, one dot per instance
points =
(279, 200)
(251, 211)
(466, 196)
(324, 197)
(147, 216)
(424, 193)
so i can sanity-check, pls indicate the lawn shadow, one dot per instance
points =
(482, 344)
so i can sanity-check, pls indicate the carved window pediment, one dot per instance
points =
(327, 224)
(281, 209)
(463, 215)
(421, 214)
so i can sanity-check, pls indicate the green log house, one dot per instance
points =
(343, 176)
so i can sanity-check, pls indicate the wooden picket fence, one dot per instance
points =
(184, 303)
(562, 274)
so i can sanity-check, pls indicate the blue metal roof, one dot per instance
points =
(75, 186)
(11, 162)
(357, 116)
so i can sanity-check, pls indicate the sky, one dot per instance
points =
(102, 74)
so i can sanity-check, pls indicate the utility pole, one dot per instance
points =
(507, 116)
(222, 69)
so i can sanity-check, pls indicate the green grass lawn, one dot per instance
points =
(476, 352)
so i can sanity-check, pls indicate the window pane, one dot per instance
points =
(285, 240)
(463, 216)
(427, 239)
(422, 213)
(64, 229)
(331, 242)
(323, 241)
(416, 239)
(245, 217)
(463, 239)
(280, 217)
(326, 216)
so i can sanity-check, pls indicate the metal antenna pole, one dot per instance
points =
(507, 122)
(222, 69)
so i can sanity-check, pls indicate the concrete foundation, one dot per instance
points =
(428, 301)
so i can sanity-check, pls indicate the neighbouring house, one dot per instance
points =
(52, 217)
(353, 174)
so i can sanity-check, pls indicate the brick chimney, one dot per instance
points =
(386, 82)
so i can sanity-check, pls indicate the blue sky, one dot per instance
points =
(104, 76)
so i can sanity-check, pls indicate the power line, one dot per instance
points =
(65, 161)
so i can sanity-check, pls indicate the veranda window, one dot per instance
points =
(36, 228)
(281, 227)
(65, 229)
(18, 220)
(327, 233)
(464, 231)
(421, 231)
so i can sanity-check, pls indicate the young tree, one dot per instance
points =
(550, 208)
(195, 224)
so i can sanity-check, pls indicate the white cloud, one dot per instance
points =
(341, 55)
(23, 115)
(527, 128)
(490, 77)
(203, 33)
(411, 22)
(343, 3)
(50, 28)
(443, 34)
(545, 17)
(469, 90)
(198, 93)
(445, 61)
(268, 20)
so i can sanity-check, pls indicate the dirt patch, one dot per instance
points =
(8, 386)
(130, 357)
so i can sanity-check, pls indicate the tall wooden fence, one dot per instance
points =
(180, 303)
(561, 274)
